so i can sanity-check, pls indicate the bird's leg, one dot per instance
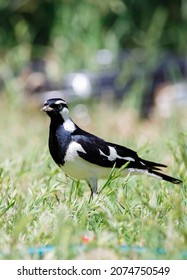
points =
(92, 182)
(91, 196)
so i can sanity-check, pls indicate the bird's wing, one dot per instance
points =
(138, 162)
(107, 154)
(95, 150)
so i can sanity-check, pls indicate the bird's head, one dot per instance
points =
(56, 107)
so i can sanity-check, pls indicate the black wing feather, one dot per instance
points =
(92, 145)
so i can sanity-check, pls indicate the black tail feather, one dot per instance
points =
(165, 177)
(153, 165)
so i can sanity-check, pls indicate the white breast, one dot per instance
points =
(83, 170)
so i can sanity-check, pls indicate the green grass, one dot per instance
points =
(39, 206)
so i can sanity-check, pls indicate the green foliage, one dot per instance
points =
(74, 30)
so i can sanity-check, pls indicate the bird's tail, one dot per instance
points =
(152, 165)
(153, 169)
(164, 177)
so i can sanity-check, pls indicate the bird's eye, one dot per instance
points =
(59, 107)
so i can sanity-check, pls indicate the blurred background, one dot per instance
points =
(120, 51)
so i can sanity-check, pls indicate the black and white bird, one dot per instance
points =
(84, 156)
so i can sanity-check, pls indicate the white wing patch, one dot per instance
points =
(72, 151)
(113, 155)
(128, 158)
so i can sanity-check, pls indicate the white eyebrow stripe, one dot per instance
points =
(60, 102)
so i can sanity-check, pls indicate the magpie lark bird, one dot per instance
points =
(84, 156)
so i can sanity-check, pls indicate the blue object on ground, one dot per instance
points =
(41, 251)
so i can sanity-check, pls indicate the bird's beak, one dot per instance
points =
(46, 108)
